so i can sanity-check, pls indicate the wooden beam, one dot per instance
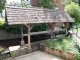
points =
(35, 33)
(32, 26)
(49, 25)
(26, 25)
(5, 16)
(66, 25)
(43, 32)
(29, 36)
(22, 41)
(52, 31)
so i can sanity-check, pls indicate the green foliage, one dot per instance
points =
(40, 27)
(16, 29)
(67, 2)
(77, 57)
(73, 10)
(23, 3)
(79, 2)
(66, 44)
(12, 55)
(2, 59)
(2, 5)
(2, 21)
(47, 4)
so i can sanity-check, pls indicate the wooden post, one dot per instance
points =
(22, 41)
(52, 31)
(66, 25)
(29, 36)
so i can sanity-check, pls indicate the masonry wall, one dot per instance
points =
(60, 5)
(6, 35)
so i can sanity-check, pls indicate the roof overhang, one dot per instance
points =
(24, 15)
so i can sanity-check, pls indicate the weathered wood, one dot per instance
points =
(29, 36)
(49, 25)
(32, 26)
(35, 33)
(43, 32)
(52, 30)
(26, 25)
(28, 15)
(5, 16)
(22, 41)
(66, 25)
(55, 30)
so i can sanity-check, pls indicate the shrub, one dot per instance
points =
(73, 10)
(2, 21)
(66, 44)
(16, 29)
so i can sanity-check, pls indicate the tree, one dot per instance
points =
(70, 1)
(73, 10)
(47, 4)
(23, 3)
(2, 5)
(79, 2)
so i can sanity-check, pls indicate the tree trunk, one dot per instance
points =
(1, 13)
(79, 2)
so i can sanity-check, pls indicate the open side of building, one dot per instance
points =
(32, 15)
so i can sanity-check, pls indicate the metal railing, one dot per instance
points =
(75, 30)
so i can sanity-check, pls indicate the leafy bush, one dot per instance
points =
(46, 4)
(16, 29)
(2, 21)
(73, 10)
(66, 44)
(23, 3)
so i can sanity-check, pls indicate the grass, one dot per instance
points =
(66, 44)
(2, 21)
(75, 30)
(79, 30)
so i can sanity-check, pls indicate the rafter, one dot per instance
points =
(49, 25)
(26, 25)
(32, 26)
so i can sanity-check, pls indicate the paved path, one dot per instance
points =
(78, 35)
(37, 56)
(74, 35)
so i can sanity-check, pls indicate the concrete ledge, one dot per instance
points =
(22, 50)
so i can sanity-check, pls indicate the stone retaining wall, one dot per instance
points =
(67, 55)
(35, 46)
(6, 35)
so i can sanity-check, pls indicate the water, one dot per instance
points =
(14, 42)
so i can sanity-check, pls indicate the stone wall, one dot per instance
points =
(22, 50)
(6, 35)
(60, 5)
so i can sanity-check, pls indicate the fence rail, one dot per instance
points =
(76, 30)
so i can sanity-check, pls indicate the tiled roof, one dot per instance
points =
(24, 15)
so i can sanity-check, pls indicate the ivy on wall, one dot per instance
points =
(47, 3)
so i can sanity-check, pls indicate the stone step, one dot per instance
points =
(19, 50)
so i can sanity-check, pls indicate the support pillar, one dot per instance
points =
(29, 36)
(52, 31)
(22, 41)
(66, 26)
